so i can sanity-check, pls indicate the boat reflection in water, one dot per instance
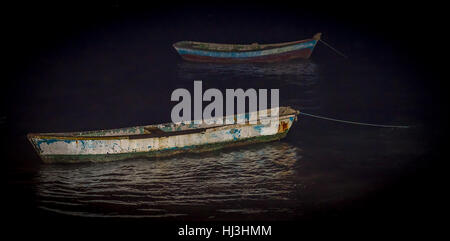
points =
(300, 70)
(257, 179)
(298, 80)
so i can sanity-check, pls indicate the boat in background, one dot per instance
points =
(237, 53)
(160, 140)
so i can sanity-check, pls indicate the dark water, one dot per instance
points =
(258, 176)
(319, 164)
(124, 76)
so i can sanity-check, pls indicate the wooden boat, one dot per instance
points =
(158, 140)
(236, 53)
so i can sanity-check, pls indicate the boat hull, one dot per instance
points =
(302, 50)
(297, 54)
(161, 153)
(69, 149)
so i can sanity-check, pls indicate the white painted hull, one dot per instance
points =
(134, 139)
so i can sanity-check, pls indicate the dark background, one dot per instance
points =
(34, 33)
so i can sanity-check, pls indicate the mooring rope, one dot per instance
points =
(353, 122)
(335, 50)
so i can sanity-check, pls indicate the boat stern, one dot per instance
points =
(32, 138)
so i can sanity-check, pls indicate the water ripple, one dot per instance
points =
(139, 188)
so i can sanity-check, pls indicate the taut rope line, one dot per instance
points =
(335, 50)
(353, 122)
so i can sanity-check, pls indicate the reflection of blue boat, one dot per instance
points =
(289, 70)
(159, 140)
(236, 53)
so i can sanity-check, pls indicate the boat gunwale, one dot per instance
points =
(71, 135)
(189, 45)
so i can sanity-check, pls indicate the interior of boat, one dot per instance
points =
(157, 130)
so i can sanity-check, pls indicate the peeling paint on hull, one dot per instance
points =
(164, 153)
(155, 140)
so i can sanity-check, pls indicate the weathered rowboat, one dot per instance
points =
(158, 140)
(236, 53)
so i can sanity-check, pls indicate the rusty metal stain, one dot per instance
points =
(283, 127)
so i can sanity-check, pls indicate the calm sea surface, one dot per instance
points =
(319, 165)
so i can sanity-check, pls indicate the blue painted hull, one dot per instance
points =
(210, 52)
